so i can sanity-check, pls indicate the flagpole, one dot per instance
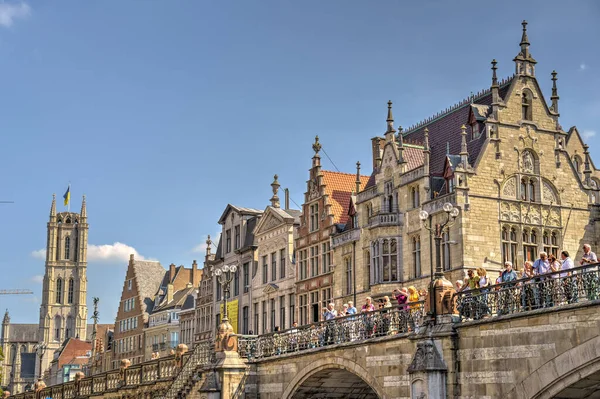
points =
(69, 203)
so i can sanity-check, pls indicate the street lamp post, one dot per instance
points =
(40, 350)
(437, 281)
(224, 276)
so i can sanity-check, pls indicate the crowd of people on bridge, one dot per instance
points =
(538, 284)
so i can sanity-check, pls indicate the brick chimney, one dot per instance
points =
(195, 280)
(170, 291)
(171, 272)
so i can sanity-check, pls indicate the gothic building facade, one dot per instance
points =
(522, 185)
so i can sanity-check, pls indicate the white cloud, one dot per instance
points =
(38, 278)
(582, 67)
(39, 254)
(588, 134)
(107, 253)
(201, 248)
(10, 12)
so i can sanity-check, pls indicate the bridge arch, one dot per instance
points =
(565, 370)
(333, 364)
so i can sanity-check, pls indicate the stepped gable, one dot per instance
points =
(444, 127)
(339, 187)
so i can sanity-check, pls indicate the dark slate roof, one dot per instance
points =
(445, 128)
(189, 301)
(149, 276)
(250, 226)
(23, 332)
(238, 209)
(219, 253)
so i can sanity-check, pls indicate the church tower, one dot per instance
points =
(63, 312)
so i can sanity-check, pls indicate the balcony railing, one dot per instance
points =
(354, 328)
(366, 194)
(345, 237)
(386, 216)
(412, 175)
(549, 290)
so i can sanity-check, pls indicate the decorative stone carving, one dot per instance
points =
(314, 190)
(427, 358)
(548, 192)
(510, 188)
(527, 162)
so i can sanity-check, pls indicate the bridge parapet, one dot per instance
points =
(548, 290)
(354, 328)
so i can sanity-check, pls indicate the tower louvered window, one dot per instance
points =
(59, 290)
(70, 294)
(67, 247)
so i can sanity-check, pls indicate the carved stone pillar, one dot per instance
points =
(427, 372)
(230, 366)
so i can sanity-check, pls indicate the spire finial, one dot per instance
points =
(426, 139)
(53, 207)
(208, 245)
(390, 118)
(554, 96)
(83, 208)
(6, 319)
(524, 38)
(357, 177)
(494, 77)
(275, 199)
(463, 140)
(316, 146)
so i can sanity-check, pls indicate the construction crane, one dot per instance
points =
(15, 292)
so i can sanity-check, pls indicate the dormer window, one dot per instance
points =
(526, 106)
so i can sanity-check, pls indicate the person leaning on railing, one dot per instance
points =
(509, 279)
(569, 284)
(590, 281)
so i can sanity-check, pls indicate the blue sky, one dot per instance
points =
(162, 112)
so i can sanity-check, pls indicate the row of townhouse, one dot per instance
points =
(521, 184)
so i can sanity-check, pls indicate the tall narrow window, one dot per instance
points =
(348, 266)
(368, 270)
(57, 328)
(376, 262)
(273, 266)
(265, 268)
(446, 250)
(70, 293)
(303, 309)
(530, 245)
(314, 261)
(255, 318)
(292, 300)
(228, 240)
(282, 263)
(325, 257)
(303, 263)
(526, 107)
(282, 312)
(414, 191)
(59, 290)
(236, 283)
(314, 217)
(264, 317)
(245, 312)
(417, 255)
(246, 279)
(67, 247)
(531, 196)
(237, 237)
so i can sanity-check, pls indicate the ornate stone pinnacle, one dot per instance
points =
(494, 68)
(316, 146)
(275, 199)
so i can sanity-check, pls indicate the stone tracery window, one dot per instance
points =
(550, 241)
(509, 244)
(526, 106)
(530, 244)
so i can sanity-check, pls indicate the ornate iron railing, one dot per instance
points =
(526, 294)
(353, 328)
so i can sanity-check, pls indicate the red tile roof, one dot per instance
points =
(73, 348)
(339, 187)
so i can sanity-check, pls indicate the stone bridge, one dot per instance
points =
(536, 339)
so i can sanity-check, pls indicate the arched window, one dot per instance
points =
(67, 247)
(526, 106)
(531, 195)
(416, 241)
(368, 271)
(577, 164)
(59, 290)
(70, 292)
(550, 241)
(524, 189)
(509, 244)
(414, 193)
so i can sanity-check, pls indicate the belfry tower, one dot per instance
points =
(63, 312)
